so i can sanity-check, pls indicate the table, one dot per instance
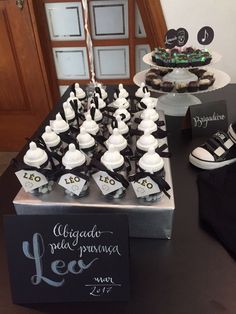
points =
(191, 273)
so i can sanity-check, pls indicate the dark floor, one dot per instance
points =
(5, 159)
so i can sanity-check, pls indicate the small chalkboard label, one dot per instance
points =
(182, 37)
(171, 39)
(208, 118)
(68, 258)
(205, 35)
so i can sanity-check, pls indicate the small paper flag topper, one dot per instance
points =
(205, 35)
(175, 38)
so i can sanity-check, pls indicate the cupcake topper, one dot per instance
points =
(151, 161)
(69, 112)
(74, 99)
(100, 101)
(50, 138)
(121, 86)
(146, 95)
(116, 140)
(112, 158)
(79, 91)
(59, 125)
(98, 95)
(94, 112)
(140, 91)
(103, 93)
(122, 112)
(122, 126)
(72, 95)
(122, 91)
(121, 102)
(73, 158)
(147, 123)
(84, 139)
(90, 125)
(146, 141)
(153, 114)
(83, 131)
(35, 156)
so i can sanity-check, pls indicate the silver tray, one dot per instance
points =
(146, 220)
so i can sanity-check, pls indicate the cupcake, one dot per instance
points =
(207, 74)
(210, 76)
(149, 77)
(156, 83)
(189, 50)
(167, 86)
(157, 72)
(182, 61)
(204, 84)
(181, 87)
(206, 57)
(193, 86)
(174, 51)
(157, 59)
(197, 60)
(200, 72)
(164, 71)
(170, 62)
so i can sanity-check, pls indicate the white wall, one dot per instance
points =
(219, 14)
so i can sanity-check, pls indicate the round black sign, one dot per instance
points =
(205, 35)
(182, 37)
(170, 39)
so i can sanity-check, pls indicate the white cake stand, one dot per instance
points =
(176, 104)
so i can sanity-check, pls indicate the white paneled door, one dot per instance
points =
(65, 21)
(118, 35)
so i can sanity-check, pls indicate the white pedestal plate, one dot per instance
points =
(176, 104)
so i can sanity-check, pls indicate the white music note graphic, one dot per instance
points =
(206, 35)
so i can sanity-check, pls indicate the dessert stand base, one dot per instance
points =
(180, 75)
(175, 104)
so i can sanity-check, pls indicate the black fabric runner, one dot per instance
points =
(217, 205)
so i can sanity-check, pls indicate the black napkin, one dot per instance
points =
(217, 204)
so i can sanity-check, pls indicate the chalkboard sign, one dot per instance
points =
(182, 37)
(177, 37)
(68, 258)
(205, 35)
(170, 38)
(208, 118)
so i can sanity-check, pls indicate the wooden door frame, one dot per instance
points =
(42, 39)
(154, 24)
(154, 21)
